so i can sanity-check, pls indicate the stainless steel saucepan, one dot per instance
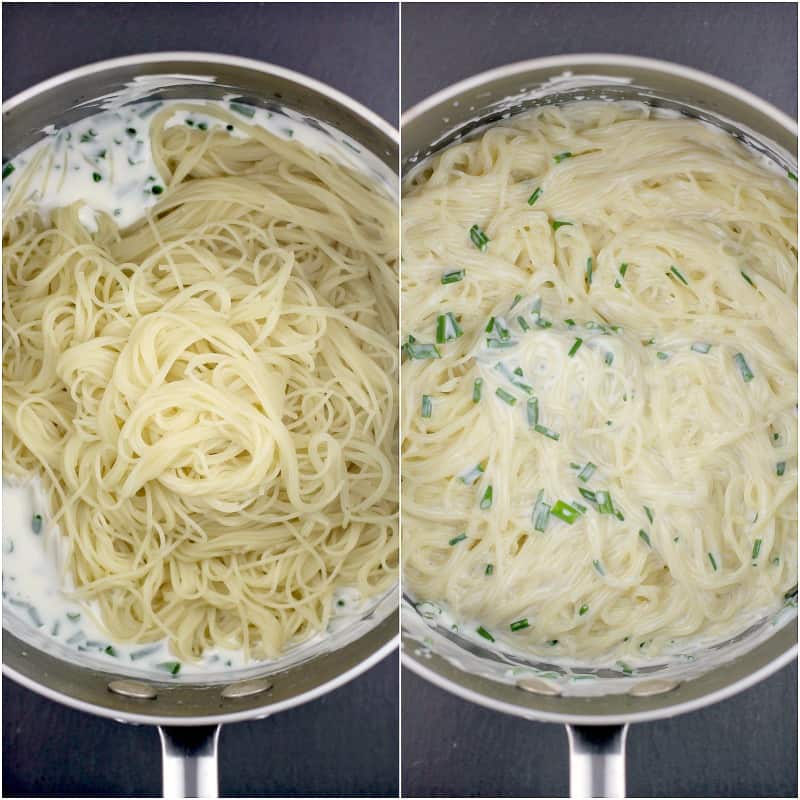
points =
(597, 705)
(190, 711)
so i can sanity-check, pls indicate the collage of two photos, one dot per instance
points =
(399, 399)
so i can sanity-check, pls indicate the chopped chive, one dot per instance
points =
(559, 223)
(505, 396)
(244, 110)
(8, 169)
(604, 503)
(476, 390)
(130, 131)
(457, 539)
(472, 475)
(583, 609)
(701, 347)
(573, 465)
(523, 323)
(599, 567)
(575, 347)
(623, 268)
(645, 538)
(453, 277)
(202, 126)
(490, 325)
(541, 513)
(713, 561)
(497, 344)
(748, 279)
(649, 513)
(756, 549)
(609, 358)
(486, 635)
(587, 494)
(570, 323)
(229, 127)
(73, 616)
(581, 508)
(173, 667)
(90, 134)
(548, 432)
(558, 158)
(662, 356)
(565, 512)
(791, 175)
(552, 642)
(675, 271)
(422, 351)
(589, 271)
(157, 189)
(587, 472)
(489, 569)
(101, 154)
(518, 371)
(619, 515)
(36, 523)
(110, 651)
(544, 323)
(780, 468)
(625, 668)
(479, 238)
(427, 405)
(533, 412)
(519, 625)
(486, 500)
(537, 193)
(447, 328)
(517, 298)
(97, 177)
(747, 375)
(190, 123)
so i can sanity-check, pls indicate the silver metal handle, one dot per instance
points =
(189, 761)
(597, 760)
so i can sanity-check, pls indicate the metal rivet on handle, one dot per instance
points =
(140, 691)
(246, 689)
(655, 686)
(538, 686)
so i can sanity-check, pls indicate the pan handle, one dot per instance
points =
(597, 760)
(189, 761)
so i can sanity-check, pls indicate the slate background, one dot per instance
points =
(746, 746)
(347, 742)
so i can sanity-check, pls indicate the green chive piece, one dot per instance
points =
(533, 412)
(202, 126)
(541, 513)
(662, 356)
(587, 494)
(791, 175)
(111, 651)
(573, 465)
(565, 512)
(486, 635)
(490, 325)
(589, 271)
(190, 123)
(623, 268)
(486, 500)
(609, 358)
(583, 610)
(505, 396)
(457, 539)
(502, 330)
(619, 515)
(497, 344)
(649, 512)
(72, 616)
(575, 347)
(748, 279)
(479, 238)
(477, 387)
(173, 667)
(747, 374)
(780, 468)
(244, 110)
(447, 328)
(523, 323)
(8, 169)
(519, 625)
(645, 538)
(422, 351)
(548, 432)
(559, 223)
(677, 273)
(604, 502)
(713, 561)
(97, 177)
(517, 298)
(625, 668)
(701, 347)
(36, 523)
(562, 157)
(587, 472)
(129, 131)
(472, 475)
(599, 567)
(453, 277)
(552, 642)
(581, 508)
(570, 323)
(489, 569)
(537, 193)
(427, 405)
(756, 549)
(544, 323)
(157, 189)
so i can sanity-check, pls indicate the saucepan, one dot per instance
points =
(597, 705)
(189, 711)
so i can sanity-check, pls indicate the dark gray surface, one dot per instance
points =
(751, 44)
(746, 746)
(350, 46)
(347, 742)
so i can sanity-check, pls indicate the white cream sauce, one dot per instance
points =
(105, 162)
